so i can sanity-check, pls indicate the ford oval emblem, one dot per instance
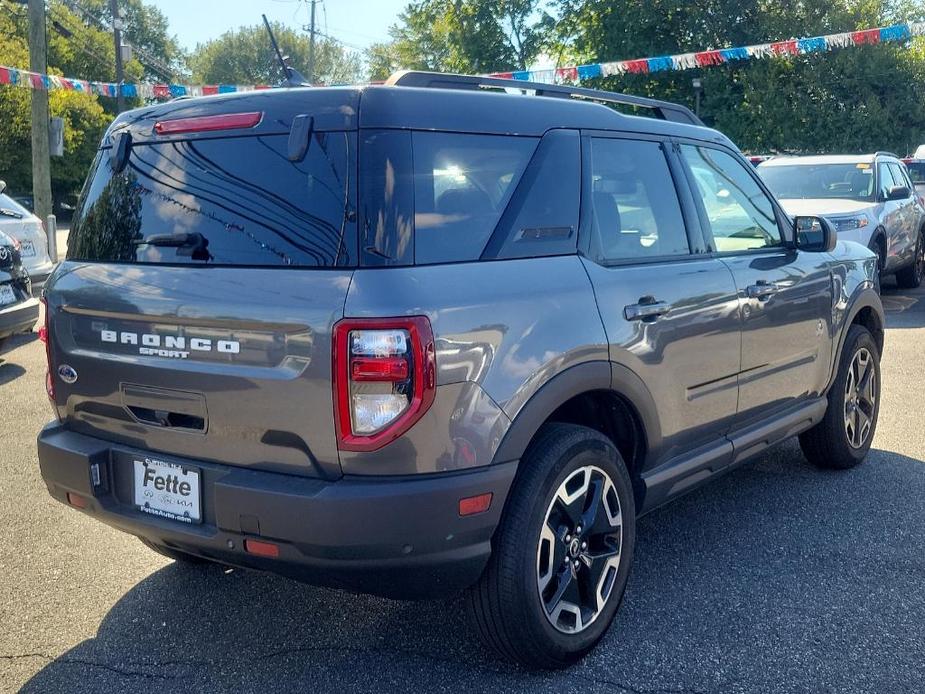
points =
(67, 373)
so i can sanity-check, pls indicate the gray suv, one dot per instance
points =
(868, 198)
(434, 336)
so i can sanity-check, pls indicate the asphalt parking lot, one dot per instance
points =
(778, 577)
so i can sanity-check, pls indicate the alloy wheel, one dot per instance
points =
(860, 398)
(578, 554)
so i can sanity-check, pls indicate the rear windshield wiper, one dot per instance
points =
(194, 244)
(10, 213)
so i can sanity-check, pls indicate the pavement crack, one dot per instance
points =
(65, 660)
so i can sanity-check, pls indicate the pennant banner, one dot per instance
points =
(687, 61)
(577, 73)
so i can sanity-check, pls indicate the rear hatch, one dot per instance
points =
(209, 256)
(16, 221)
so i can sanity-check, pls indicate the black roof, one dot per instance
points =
(421, 108)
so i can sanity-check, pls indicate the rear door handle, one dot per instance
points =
(762, 289)
(648, 309)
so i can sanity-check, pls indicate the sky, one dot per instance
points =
(356, 23)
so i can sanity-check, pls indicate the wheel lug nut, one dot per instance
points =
(584, 545)
(576, 564)
(568, 538)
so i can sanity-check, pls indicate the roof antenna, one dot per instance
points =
(293, 77)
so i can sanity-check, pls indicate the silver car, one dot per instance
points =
(869, 198)
(20, 224)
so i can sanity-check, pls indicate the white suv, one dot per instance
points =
(869, 199)
(21, 225)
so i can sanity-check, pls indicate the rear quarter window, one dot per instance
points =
(222, 201)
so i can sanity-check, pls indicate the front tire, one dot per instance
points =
(843, 437)
(911, 277)
(561, 556)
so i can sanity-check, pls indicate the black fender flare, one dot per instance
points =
(582, 378)
(865, 298)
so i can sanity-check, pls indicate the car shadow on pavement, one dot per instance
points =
(776, 577)
(9, 369)
(904, 308)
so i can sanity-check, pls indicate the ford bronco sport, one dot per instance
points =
(433, 335)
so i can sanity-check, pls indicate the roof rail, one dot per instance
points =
(438, 80)
(885, 154)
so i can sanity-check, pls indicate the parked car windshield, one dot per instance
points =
(811, 181)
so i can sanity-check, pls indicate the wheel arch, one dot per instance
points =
(604, 396)
(865, 310)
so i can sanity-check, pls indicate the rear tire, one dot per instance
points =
(552, 587)
(843, 437)
(911, 277)
(174, 554)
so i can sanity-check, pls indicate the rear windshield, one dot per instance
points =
(224, 201)
(10, 208)
(811, 181)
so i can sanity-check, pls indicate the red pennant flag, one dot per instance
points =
(262, 86)
(4, 76)
(707, 58)
(36, 80)
(209, 89)
(504, 75)
(161, 91)
(870, 36)
(784, 47)
(567, 73)
(637, 67)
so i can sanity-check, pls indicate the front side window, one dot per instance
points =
(740, 214)
(636, 209)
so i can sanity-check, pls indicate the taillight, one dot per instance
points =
(384, 379)
(45, 336)
(199, 124)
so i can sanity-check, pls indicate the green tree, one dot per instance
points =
(469, 36)
(245, 56)
(855, 99)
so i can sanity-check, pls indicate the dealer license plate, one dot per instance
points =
(167, 490)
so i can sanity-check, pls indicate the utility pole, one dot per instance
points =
(38, 62)
(117, 39)
(311, 46)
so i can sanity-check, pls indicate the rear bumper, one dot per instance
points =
(397, 537)
(18, 318)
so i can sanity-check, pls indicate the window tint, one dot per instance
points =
(740, 214)
(636, 209)
(221, 201)
(542, 217)
(387, 195)
(462, 183)
(899, 177)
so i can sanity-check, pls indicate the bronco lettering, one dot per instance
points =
(170, 346)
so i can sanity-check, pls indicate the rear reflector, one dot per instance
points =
(475, 504)
(225, 121)
(261, 549)
(379, 369)
(76, 500)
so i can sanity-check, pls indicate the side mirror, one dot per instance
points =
(814, 234)
(897, 193)
(2, 186)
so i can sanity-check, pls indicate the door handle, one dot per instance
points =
(762, 289)
(647, 310)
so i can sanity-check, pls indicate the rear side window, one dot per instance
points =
(223, 201)
(636, 210)
(916, 171)
(462, 184)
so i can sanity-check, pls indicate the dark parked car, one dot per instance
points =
(430, 336)
(18, 310)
